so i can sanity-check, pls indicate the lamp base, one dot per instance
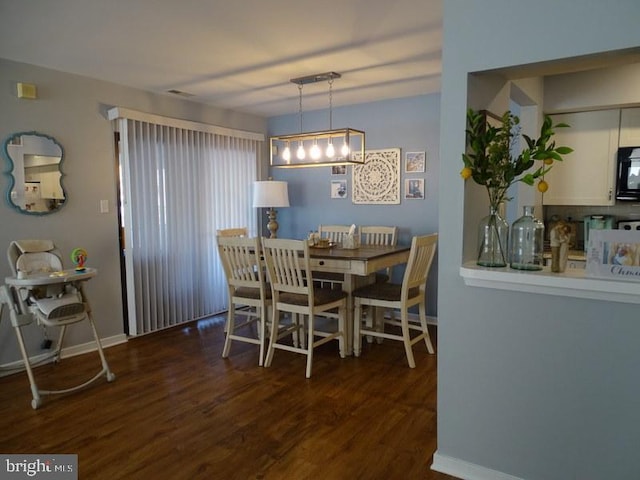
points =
(273, 224)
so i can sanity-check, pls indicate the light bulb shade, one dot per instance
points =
(270, 194)
(353, 153)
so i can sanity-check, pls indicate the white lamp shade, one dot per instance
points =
(270, 193)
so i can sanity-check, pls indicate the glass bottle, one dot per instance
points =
(527, 242)
(493, 235)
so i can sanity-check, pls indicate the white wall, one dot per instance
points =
(72, 109)
(529, 386)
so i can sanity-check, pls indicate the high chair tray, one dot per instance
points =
(49, 278)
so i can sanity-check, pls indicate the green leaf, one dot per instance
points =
(564, 150)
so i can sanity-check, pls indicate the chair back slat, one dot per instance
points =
(240, 258)
(423, 249)
(288, 265)
(335, 233)
(379, 235)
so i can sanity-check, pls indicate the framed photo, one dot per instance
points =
(414, 162)
(339, 189)
(338, 170)
(614, 254)
(414, 189)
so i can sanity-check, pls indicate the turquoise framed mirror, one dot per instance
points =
(35, 162)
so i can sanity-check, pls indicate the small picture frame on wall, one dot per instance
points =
(338, 170)
(414, 162)
(339, 189)
(414, 189)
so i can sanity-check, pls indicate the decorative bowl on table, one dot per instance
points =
(323, 243)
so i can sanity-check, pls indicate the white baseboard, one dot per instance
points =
(465, 470)
(72, 351)
(91, 346)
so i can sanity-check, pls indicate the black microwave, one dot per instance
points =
(628, 179)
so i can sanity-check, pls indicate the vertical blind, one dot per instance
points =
(179, 186)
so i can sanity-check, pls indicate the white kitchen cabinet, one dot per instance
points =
(50, 185)
(586, 176)
(630, 127)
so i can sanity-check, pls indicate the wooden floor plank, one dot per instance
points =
(177, 410)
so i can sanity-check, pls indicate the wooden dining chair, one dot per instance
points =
(335, 234)
(400, 297)
(293, 291)
(379, 235)
(247, 288)
(232, 232)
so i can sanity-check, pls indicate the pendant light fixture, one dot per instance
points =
(342, 146)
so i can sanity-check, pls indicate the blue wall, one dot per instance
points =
(411, 124)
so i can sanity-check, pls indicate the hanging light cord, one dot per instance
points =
(330, 103)
(300, 105)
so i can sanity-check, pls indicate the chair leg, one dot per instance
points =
(274, 335)
(262, 333)
(357, 322)
(35, 393)
(231, 322)
(370, 320)
(309, 346)
(425, 329)
(378, 322)
(406, 336)
(109, 375)
(342, 339)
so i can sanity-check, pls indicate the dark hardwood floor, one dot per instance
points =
(177, 410)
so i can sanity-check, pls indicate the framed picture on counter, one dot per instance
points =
(614, 254)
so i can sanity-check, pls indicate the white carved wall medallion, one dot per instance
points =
(377, 181)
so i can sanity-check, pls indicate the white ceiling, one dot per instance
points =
(236, 54)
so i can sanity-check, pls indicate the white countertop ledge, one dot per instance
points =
(571, 283)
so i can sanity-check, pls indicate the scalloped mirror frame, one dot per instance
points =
(44, 149)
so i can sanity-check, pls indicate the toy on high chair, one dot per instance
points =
(78, 257)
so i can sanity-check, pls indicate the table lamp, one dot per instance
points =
(271, 194)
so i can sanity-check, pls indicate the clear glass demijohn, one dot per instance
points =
(493, 235)
(527, 242)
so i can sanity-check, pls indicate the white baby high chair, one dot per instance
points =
(41, 290)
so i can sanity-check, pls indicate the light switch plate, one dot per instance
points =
(104, 206)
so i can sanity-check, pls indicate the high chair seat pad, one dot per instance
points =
(48, 305)
(38, 262)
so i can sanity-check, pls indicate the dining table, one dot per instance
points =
(358, 265)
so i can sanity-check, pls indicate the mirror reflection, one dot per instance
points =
(35, 170)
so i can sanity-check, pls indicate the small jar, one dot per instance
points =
(527, 242)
